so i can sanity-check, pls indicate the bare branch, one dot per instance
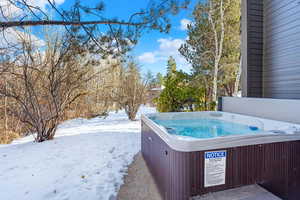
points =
(4, 25)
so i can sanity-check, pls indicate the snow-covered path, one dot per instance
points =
(86, 161)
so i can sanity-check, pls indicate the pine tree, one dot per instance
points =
(213, 45)
(171, 66)
(159, 79)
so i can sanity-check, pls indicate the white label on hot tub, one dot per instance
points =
(215, 168)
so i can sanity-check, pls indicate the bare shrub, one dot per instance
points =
(43, 84)
(132, 90)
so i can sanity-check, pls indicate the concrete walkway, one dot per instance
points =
(250, 192)
(139, 185)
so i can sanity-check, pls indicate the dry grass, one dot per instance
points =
(7, 137)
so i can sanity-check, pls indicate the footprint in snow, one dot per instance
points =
(109, 164)
(112, 150)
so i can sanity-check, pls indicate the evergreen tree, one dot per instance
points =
(175, 93)
(150, 79)
(202, 48)
(182, 92)
(159, 79)
(171, 66)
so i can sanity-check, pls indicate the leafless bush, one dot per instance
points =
(132, 90)
(43, 84)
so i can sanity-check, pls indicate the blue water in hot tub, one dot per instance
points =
(206, 128)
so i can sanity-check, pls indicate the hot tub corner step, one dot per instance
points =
(250, 192)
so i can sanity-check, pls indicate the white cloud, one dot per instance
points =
(10, 10)
(147, 57)
(11, 41)
(12, 36)
(167, 47)
(184, 23)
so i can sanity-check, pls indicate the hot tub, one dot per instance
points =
(195, 153)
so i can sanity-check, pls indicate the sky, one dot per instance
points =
(153, 48)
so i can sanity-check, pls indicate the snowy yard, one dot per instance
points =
(87, 160)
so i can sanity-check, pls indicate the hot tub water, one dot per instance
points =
(205, 127)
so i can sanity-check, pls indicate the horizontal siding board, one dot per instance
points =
(255, 35)
(282, 95)
(285, 92)
(256, 84)
(284, 37)
(284, 46)
(287, 15)
(275, 5)
(281, 62)
(255, 2)
(256, 51)
(284, 34)
(271, 6)
(255, 63)
(283, 27)
(256, 12)
(255, 47)
(287, 58)
(277, 24)
(283, 75)
(286, 83)
(288, 55)
(295, 86)
(288, 86)
(277, 77)
(279, 11)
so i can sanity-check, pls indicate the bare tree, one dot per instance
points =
(216, 17)
(132, 90)
(99, 99)
(238, 78)
(44, 84)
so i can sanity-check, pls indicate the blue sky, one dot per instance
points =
(154, 48)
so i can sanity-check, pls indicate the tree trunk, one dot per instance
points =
(5, 114)
(218, 46)
(238, 79)
(215, 82)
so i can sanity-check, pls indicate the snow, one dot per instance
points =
(87, 160)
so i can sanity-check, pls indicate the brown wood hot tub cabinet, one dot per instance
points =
(180, 175)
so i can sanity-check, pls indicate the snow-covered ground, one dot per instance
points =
(87, 160)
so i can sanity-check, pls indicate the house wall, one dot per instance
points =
(271, 48)
(252, 47)
(281, 60)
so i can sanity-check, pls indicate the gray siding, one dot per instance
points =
(252, 47)
(271, 48)
(281, 62)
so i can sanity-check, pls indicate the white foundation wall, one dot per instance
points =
(287, 110)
